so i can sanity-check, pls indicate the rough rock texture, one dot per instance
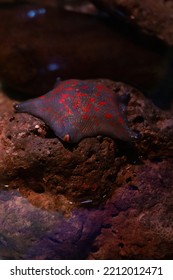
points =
(102, 199)
(28, 232)
(21, 224)
(138, 219)
(153, 17)
(75, 171)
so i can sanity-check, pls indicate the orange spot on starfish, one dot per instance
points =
(85, 116)
(80, 94)
(108, 116)
(42, 97)
(92, 100)
(96, 109)
(63, 98)
(102, 103)
(99, 87)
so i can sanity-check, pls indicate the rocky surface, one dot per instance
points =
(28, 232)
(138, 219)
(153, 17)
(113, 200)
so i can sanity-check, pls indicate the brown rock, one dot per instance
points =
(153, 17)
(44, 165)
(127, 188)
(138, 221)
(91, 166)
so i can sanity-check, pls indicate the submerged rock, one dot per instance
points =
(98, 199)
(29, 232)
(138, 218)
(153, 17)
(78, 170)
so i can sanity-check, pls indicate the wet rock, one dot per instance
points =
(27, 144)
(77, 171)
(71, 239)
(138, 219)
(28, 232)
(56, 43)
(100, 199)
(153, 17)
(84, 6)
(22, 224)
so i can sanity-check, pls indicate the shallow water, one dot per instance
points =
(46, 43)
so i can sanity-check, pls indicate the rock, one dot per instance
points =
(92, 165)
(28, 232)
(113, 200)
(74, 172)
(23, 224)
(153, 17)
(103, 50)
(84, 6)
(72, 238)
(138, 220)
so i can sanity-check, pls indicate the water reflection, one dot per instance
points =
(70, 45)
(36, 12)
(53, 66)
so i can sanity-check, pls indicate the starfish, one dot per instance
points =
(76, 109)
